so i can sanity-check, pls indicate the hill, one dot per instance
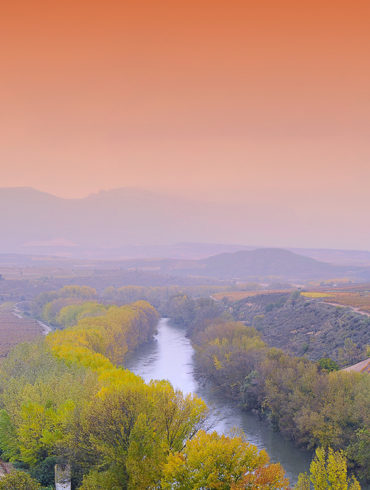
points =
(127, 222)
(268, 262)
(261, 265)
(303, 326)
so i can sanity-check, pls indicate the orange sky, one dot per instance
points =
(265, 98)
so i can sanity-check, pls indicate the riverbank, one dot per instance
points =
(170, 356)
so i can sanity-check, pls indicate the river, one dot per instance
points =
(170, 356)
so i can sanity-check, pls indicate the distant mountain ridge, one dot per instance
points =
(35, 222)
(131, 223)
(267, 264)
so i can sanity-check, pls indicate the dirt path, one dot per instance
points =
(353, 308)
(45, 328)
(360, 367)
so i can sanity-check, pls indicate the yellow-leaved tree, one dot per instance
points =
(328, 470)
(220, 462)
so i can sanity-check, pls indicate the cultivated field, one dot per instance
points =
(358, 300)
(356, 297)
(234, 296)
(14, 329)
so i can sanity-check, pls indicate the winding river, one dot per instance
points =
(170, 356)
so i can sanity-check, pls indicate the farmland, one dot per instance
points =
(233, 296)
(14, 329)
(359, 301)
(357, 298)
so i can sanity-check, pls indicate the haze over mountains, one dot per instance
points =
(129, 223)
(33, 221)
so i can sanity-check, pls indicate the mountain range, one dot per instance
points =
(132, 223)
(257, 265)
(36, 222)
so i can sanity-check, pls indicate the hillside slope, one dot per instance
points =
(306, 327)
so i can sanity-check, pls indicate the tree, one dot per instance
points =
(8, 437)
(220, 462)
(101, 480)
(132, 427)
(327, 364)
(18, 480)
(328, 470)
(350, 353)
(359, 453)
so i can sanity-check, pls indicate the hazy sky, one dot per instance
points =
(234, 99)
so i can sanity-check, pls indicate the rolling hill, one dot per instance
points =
(268, 262)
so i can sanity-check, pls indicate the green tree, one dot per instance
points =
(18, 480)
(9, 443)
(102, 480)
(359, 453)
(327, 364)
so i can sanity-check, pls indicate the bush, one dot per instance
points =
(44, 472)
(327, 364)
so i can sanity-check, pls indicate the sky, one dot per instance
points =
(263, 102)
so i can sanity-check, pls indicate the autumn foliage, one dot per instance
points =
(67, 399)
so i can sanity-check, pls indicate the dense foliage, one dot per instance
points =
(66, 306)
(328, 470)
(51, 306)
(65, 400)
(314, 404)
(18, 480)
(160, 297)
(221, 462)
(306, 403)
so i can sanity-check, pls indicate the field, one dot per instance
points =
(316, 294)
(357, 300)
(234, 296)
(14, 330)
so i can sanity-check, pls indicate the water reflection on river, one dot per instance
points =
(170, 356)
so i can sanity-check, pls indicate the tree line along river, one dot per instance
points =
(170, 356)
